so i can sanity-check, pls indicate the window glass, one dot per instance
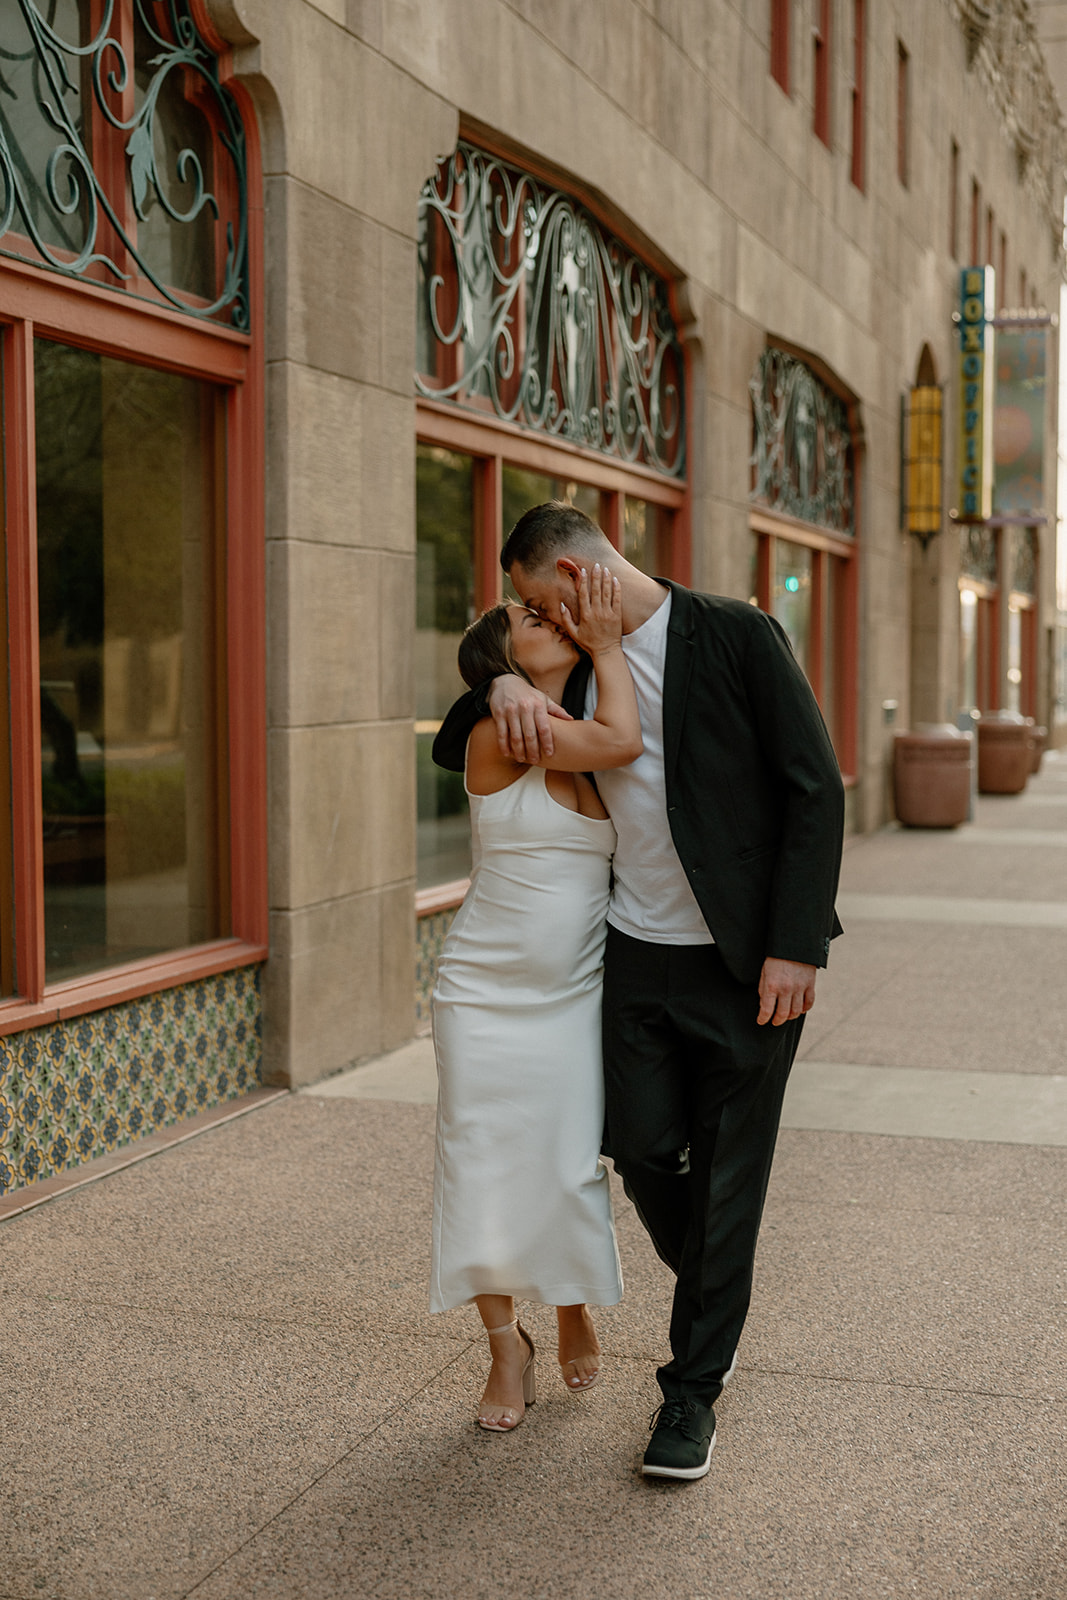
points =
(968, 650)
(639, 528)
(28, 131)
(522, 489)
(180, 253)
(1014, 674)
(445, 602)
(833, 577)
(791, 595)
(132, 727)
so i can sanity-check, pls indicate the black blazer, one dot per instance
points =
(755, 801)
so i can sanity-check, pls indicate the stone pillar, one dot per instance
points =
(353, 140)
(934, 643)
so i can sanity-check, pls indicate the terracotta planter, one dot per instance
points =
(1004, 753)
(932, 776)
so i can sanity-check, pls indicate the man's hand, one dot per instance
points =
(523, 717)
(786, 991)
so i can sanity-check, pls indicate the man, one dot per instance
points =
(729, 844)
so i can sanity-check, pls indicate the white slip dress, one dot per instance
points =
(522, 1204)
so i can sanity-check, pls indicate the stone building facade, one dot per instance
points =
(733, 250)
(670, 124)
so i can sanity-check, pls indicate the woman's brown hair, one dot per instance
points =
(485, 648)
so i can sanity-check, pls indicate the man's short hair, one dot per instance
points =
(544, 533)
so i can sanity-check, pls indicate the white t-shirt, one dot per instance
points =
(651, 899)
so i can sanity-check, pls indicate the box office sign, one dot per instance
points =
(974, 488)
(1019, 424)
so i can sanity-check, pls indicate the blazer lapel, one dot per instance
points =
(676, 673)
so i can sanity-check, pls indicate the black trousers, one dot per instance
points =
(694, 1096)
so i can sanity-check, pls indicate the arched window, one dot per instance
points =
(803, 519)
(132, 796)
(548, 366)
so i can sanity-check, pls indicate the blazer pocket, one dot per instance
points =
(756, 852)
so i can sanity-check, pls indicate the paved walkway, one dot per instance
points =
(219, 1378)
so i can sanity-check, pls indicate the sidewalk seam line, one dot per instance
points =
(360, 1442)
(868, 996)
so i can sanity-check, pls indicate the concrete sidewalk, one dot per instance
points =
(220, 1379)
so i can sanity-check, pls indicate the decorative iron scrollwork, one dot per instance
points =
(529, 306)
(802, 445)
(93, 91)
(1024, 561)
(978, 551)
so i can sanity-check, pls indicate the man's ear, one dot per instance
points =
(569, 570)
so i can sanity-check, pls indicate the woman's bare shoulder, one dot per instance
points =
(488, 770)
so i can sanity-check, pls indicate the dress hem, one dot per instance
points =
(563, 1295)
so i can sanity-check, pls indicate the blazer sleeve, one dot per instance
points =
(797, 748)
(450, 742)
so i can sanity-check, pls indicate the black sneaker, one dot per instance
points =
(683, 1437)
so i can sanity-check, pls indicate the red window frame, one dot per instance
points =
(38, 302)
(903, 111)
(780, 41)
(857, 167)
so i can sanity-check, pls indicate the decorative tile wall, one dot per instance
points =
(77, 1089)
(430, 935)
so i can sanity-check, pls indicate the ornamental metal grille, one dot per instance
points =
(529, 309)
(122, 156)
(978, 551)
(802, 446)
(1024, 561)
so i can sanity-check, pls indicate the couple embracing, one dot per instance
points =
(657, 820)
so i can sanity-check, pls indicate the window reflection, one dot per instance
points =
(130, 660)
(639, 530)
(968, 650)
(30, 135)
(444, 607)
(522, 489)
(180, 254)
(791, 595)
(834, 577)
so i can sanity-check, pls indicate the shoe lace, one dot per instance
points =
(672, 1414)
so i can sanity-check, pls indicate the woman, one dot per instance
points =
(521, 1199)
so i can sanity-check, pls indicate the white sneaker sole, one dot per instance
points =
(688, 1473)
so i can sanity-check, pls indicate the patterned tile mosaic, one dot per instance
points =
(77, 1089)
(430, 934)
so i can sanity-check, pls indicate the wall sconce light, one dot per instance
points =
(920, 462)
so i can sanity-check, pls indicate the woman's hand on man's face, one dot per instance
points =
(598, 624)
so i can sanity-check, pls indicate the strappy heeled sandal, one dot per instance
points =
(576, 1387)
(503, 1419)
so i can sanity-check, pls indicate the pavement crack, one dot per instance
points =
(900, 1383)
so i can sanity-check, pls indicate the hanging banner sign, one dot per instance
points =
(1019, 424)
(975, 470)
